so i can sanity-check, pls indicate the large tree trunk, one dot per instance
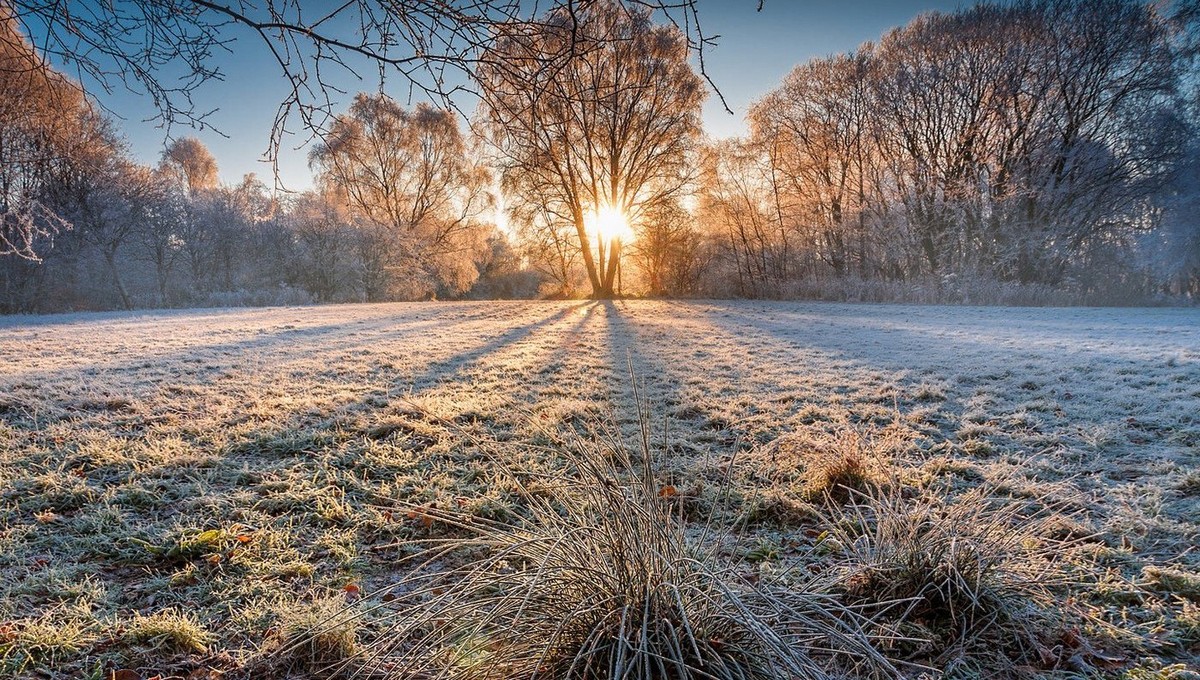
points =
(585, 245)
(610, 273)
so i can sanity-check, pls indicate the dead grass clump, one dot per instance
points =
(110, 404)
(603, 580)
(419, 433)
(834, 466)
(1189, 485)
(835, 477)
(778, 507)
(970, 577)
(313, 637)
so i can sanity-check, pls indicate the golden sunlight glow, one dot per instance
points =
(611, 223)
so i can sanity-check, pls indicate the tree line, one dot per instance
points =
(1009, 152)
(396, 212)
(1041, 144)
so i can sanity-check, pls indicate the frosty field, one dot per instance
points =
(187, 492)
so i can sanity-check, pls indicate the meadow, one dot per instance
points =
(235, 493)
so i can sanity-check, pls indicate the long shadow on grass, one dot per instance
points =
(700, 426)
(891, 334)
(449, 368)
(279, 346)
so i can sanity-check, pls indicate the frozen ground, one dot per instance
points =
(125, 437)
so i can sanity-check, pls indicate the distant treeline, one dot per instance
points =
(1046, 146)
(1015, 153)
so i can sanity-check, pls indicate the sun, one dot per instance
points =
(611, 224)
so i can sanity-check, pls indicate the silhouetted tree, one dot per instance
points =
(592, 109)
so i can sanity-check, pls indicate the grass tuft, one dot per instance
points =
(168, 630)
(602, 579)
(41, 641)
(1174, 581)
(836, 466)
(971, 578)
(311, 637)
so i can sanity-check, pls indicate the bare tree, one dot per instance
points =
(737, 203)
(407, 176)
(41, 121)
(814, 129)
(667, 250)
(608, 127)
(159, 234)
(548, 242)
(1016, 141)
(189, 163)
(323, 259)
(106, 198)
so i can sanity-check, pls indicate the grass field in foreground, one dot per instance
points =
(194, 492)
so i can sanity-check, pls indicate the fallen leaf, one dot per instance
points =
(124, 674)
(667, 491)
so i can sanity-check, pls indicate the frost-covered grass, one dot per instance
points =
(184, 491)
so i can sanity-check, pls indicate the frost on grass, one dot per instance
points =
(603, 579)
(238, 468)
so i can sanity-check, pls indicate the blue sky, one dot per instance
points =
(756, 50)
